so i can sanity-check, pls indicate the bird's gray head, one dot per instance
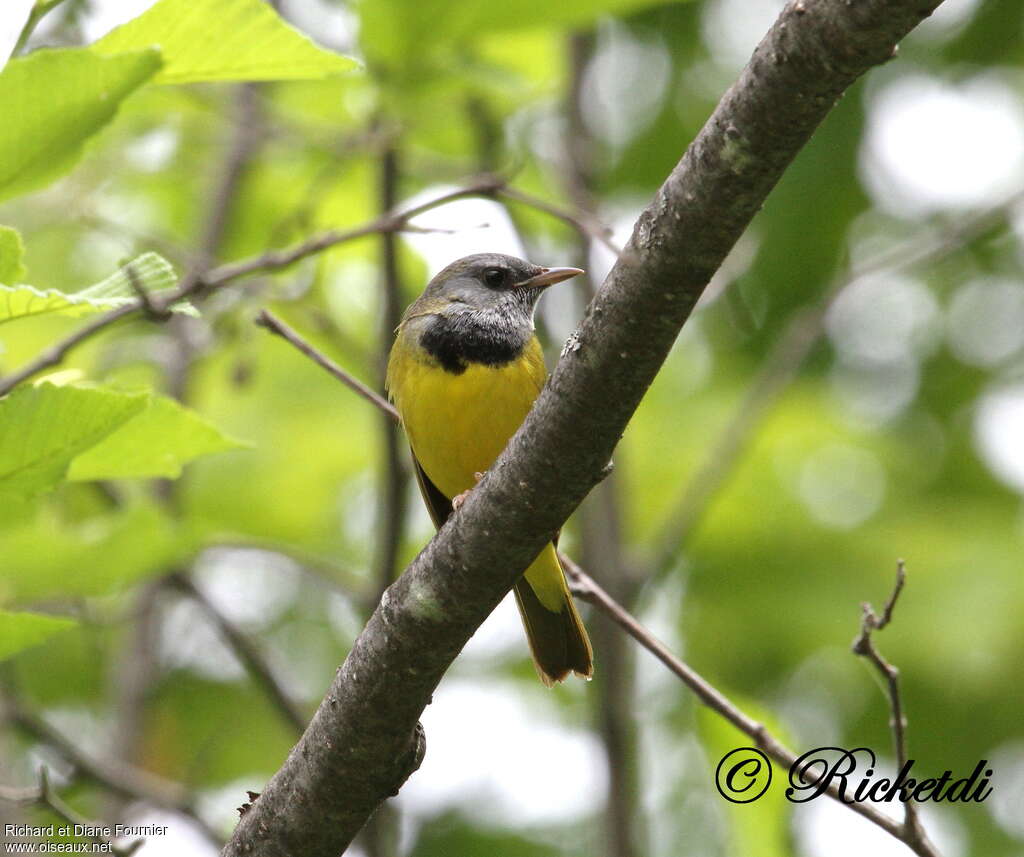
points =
(493, 283)
(480, 308)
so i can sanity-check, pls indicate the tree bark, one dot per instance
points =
(365, 739)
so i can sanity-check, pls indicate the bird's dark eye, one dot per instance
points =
(495, 277)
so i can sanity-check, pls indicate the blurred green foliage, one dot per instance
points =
(276, 465)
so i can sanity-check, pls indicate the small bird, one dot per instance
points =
(463, 373)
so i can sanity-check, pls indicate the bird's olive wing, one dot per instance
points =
(439, 506)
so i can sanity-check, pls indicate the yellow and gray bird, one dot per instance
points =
(464, 371)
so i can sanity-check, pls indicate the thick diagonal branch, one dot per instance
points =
(365, 739)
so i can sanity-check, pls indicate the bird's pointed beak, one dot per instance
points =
(548, 277)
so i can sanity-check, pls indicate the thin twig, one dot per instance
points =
(587, 588)
(39, 11)
(785, 358)
(45, 796)
(864, 646)
(273, 260)
(270, 261)
(581, 220)
(271, 322)
(55, 354)
(876, 622)
(150, 307)
(393, 222)
(247, 652)
(122, 779)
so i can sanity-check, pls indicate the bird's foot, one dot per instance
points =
(459, 499)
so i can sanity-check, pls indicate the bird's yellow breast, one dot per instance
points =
(458, 424)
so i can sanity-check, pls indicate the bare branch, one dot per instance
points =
(581, 220)
(393, 222)
(248, 653)
(912, 831)
(44, 795)
(39, 11)
(874, 622)
(274, 260)
(121, 779)
(587, 588)
(195, 282)
(149, 306)
(55, 354)
(272, 323)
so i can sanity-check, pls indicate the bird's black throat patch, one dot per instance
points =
(458, 340)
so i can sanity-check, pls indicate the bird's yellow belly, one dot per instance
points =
(458, 424)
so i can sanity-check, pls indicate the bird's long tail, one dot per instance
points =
(558, 640)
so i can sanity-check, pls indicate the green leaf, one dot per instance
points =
(158, 442)
(11, 253)
(106, 434)
(52, 101)
(101, 556)
(152, 272)
(205, 40)
(20, 631)
(43, 428)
